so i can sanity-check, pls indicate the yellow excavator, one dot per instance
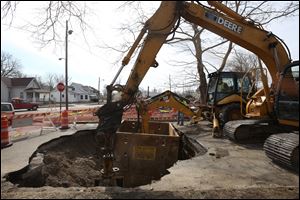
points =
(266, 103)
(227, 95)
(166, 99)
(223, 104)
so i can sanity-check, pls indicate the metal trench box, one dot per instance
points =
(142, 157)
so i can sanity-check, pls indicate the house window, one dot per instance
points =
(86, 96)
(62, 95)
(81, 96)
(51, 95)
(74, 95)
(21, 95)
(73, 89)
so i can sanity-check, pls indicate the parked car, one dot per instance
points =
(22, 104)
(7, 109)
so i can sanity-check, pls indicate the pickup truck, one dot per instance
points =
(7, 110)
(22, 104)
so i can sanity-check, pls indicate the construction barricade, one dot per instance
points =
(5, 138)
(64, 120)
(84, 116)
(50, 121)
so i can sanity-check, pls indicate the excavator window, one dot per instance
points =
(225, 85)
(246, 84)
(212, 84)
(288, 96)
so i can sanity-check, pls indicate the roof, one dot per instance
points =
(20, 81)
(82, 88)
(37, 90)
(7, 81)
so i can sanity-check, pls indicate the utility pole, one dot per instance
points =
(66, 63)
(99, 90)
(183, 85)
(148, 95)
(68, 32)
(170, 84)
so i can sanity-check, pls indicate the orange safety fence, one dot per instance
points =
(84, 115)
(54, 116)
(87, 115)
(156, 114)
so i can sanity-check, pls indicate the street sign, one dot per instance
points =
(60, 86)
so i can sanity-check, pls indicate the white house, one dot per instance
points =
(25, 88)
(76, 93)
(5, 91)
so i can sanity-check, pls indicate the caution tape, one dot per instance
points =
(27, 115)
(34, 115)
(89, 110)
(70, 112)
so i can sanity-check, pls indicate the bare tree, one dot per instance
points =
(10, 66)
(40, 81)
(242, 62)
(49, 20)
(50, 81)
(59, 78)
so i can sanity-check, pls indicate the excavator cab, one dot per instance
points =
(222, 85)
(225, 92)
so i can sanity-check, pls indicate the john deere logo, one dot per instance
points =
(226, 23)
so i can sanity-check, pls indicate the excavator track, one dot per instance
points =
(248, 130)
(283, 148)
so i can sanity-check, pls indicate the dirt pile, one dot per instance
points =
(63, 162)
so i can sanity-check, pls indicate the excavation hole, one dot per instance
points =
(72, 161)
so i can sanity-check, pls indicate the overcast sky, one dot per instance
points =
(88, 62)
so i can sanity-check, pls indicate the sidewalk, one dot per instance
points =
(22, 133)
(25, 132)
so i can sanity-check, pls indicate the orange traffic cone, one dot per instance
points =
(5, 139)
(64, 120)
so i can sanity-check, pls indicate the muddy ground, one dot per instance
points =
(227, 170)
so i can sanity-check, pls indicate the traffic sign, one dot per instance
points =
(60, 86)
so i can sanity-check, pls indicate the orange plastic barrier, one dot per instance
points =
(5, 139)
(64, 120)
